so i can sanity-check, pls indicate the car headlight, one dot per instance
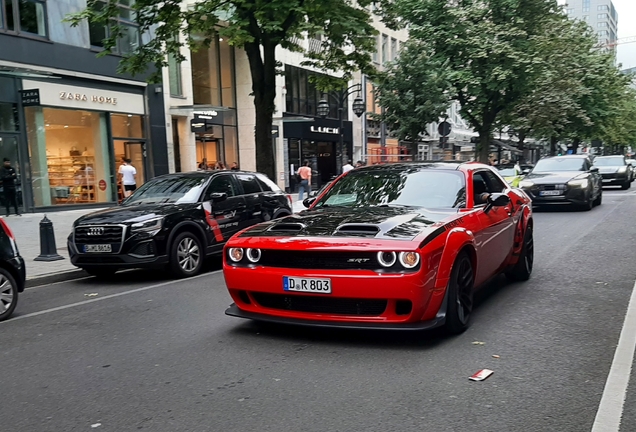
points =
(622, 169)
(150, 226)
(409, 260)
(387, 259)
(235, 254)
(526, 184)
(582, 183)
(253, 255)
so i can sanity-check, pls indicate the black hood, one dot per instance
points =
(557, 177)
(396, 223)
(132, 213)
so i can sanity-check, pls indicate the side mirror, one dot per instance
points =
(594, 169)
(217, 196)
(307, 202)
(497, 200)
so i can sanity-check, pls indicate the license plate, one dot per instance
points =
(550, 193)
(310, 285)
(98, 248)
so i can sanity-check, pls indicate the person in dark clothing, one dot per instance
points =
(8, 175)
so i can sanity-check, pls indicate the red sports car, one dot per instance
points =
(396, 246)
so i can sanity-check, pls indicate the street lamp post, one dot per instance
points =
(340, 97)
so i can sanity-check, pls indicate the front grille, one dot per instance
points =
(111, 234)
(551, 187)
(609, 176)
(319, 260)
(315, 304)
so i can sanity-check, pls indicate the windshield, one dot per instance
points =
(389, 187)
(559, 164)
(174, 189)
(508, 172)
(609, 161)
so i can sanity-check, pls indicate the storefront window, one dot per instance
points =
(127, 126)
(8, 117)
(174, 76)
(69, 152)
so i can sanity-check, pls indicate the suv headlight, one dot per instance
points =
(525, 184)
(622, 169)
(582, 183)
(150, 226)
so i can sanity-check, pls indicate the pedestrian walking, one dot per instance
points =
(128, 177)
(304, 174)
(8, 175)
(203, 166)
(235, 166)
(347, 167)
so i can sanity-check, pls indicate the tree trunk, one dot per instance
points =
(521, 146)
(553, 144)
(483, 148)
(575, 144)
(263, 71)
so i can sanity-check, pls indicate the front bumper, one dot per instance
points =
(568, 196)
(234, 311)
(135, 252)
(617, 179)
(19, 267)
(359, 298)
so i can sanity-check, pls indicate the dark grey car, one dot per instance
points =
(615, 171)
(569, 180)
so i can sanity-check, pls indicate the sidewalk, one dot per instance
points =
(26, 229)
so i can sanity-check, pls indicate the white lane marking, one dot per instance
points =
(610, 410)
(85, 302)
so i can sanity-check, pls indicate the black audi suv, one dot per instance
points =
(12, 272)
(175, 221)
(615, 171)
(562, 180)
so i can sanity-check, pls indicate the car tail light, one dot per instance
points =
(6, 229)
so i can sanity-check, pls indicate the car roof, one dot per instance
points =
(436, 165)
(609, 156)
(200, 174)
(577, 156)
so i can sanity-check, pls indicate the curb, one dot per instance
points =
(55, 277)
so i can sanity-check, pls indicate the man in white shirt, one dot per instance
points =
(347, 167)
(128, 177)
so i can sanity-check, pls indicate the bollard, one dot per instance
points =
(48, 251)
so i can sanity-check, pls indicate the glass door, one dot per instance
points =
(9, 150)
(136, 152)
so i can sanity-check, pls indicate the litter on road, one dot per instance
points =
(481, 375)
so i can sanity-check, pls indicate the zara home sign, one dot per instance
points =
(63, 95)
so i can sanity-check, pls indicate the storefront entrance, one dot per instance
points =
(9, 150)
(326, 161)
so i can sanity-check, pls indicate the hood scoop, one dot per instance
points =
(364, 230)
(287, 227)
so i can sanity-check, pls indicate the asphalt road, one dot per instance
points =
(150, 353)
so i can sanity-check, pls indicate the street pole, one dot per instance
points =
(341, 118)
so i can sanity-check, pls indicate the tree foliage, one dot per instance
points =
(257, 26)
(414, 91)
(489, 46)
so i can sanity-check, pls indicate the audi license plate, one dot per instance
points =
(98, 248)
(550, 193)
(309, 285)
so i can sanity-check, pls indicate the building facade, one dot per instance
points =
(601, 16)
(67, 118)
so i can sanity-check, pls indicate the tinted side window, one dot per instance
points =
(495, 185)
(222, 184)
(266, 184)
(250, 186)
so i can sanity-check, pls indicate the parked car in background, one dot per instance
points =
(564, 180)
(511, 173)
(175, 221)
(12, 272)
(615, 171)
(632, 164)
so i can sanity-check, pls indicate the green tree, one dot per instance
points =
(414, 91)
(489, 45)
(257, 26)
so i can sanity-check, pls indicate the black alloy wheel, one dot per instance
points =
(523, 269)
(186, 255)
(626, 185)
(460, 295)
(8, 294)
